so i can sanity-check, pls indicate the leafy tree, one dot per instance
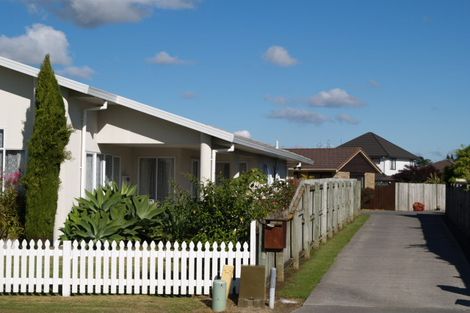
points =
(435, 178)
(417, 174)
(46, 152)
(461, 167)
(422, 162)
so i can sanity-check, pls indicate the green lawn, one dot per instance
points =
(113, 303)
(300, 284)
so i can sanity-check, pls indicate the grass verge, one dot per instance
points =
(300, 284)
(112, 304)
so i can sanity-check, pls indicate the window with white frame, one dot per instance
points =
(102, 169)
(11, 162)
(156, 177)
(268, 170)
(393, 164)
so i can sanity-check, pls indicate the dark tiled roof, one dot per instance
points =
(331, 159)
(441, 165)
(377, 147)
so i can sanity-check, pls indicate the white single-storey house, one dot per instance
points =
(118, 139)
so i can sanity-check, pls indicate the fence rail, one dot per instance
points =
(111, 268)
(319, 209)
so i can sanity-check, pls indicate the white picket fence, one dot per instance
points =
(110, 268)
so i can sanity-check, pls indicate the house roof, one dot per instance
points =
(332, 159)
(161, 114)
(442, 164)
(377, 147)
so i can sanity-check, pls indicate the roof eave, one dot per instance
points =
(114, 98)
(270, 150)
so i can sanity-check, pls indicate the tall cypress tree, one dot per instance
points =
(46, 152)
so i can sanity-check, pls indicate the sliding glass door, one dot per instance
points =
(156, 176)
(102, 169)
(147, 175)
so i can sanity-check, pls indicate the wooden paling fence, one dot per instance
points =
(118, 268)
(401, 196)
(320, 208)
(433, 196)
(458, 209)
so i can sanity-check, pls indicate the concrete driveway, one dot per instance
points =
(398, 262)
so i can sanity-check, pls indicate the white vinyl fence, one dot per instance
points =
(110, 268)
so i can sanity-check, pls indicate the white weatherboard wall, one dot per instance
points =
(385, 166)
(433, 196)
(16, 94)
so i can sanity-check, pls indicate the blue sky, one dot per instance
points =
(307, 73)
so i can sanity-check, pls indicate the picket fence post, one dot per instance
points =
(66, 253)
(252, 246)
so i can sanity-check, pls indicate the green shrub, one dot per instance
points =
(225, 209)
(46, 152)
(178, 221)
(222, 213)
(11, 226)
(110, 213)
(10, 223)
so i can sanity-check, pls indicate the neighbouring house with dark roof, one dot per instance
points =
(345, 162)
(442, 165)
(389, 157)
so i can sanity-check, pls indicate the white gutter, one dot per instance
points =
(213, 160)
(83, 146)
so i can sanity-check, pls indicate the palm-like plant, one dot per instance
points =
(110, 213)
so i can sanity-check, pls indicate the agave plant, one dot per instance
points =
(110, 213)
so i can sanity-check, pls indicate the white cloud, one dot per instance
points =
(92, 13)
(299, 116)
(279, 56)
(346, 118)
(165, 58)
(335, 98)
(277, 99)
(38, 41)
(175, 4)
(188, 95)
(375, 83)
(243, 133)
(82, 72)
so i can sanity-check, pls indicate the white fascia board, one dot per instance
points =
(271, 150)
(33, 72)
(104, 95)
